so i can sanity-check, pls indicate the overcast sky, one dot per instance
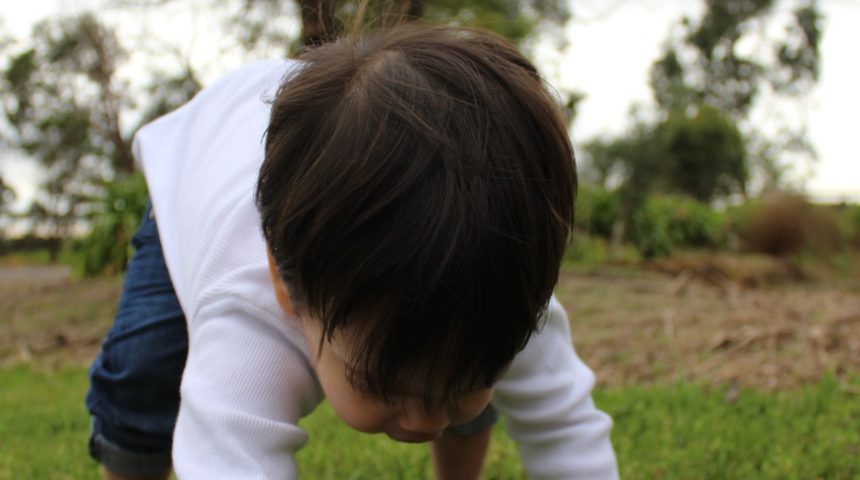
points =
(612, 45)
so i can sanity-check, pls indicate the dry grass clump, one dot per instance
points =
(785, 224)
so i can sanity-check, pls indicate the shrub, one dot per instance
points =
(115, 217)
(597, 210)
(593, 250)
(587, 249)
(850, 215)
(664, 222)
(784, 224)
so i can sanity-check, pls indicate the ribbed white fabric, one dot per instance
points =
(248, 378)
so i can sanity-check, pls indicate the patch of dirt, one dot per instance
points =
(47, 317)
(700, 325)
(633, 327)
(18, 277)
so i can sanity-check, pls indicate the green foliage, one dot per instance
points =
(651, 229)
(664, 222)
(7, 196)
(850, 218)
(699, 153)
(636, 157)
(515, 19)
(114, 218)
(587, 249)
(598, 210)
(597, 221)
(705, 154)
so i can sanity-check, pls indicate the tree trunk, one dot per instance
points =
(319, 24)
(318, 21)
(415, 10)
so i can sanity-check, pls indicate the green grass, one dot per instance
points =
(691, 431)
(44, 425)
(360, 456)
(677, 431)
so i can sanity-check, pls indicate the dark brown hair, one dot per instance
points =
(417, 193)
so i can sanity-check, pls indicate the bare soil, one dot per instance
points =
(48, 318)
(666, 322)
(643, 327)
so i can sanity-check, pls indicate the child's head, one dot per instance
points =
(416, 197)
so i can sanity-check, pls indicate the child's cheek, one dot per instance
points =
(361, 413)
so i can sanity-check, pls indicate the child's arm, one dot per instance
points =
(246, 384)
(546, 398)
(460, 457)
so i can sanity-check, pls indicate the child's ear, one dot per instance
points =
(280, 289)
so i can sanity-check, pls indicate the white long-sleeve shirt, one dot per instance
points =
(248, 378)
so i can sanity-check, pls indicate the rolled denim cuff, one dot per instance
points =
(124, 462)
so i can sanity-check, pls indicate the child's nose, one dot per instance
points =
(418, 420)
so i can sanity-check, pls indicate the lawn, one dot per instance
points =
(677, 431)
(703, 380)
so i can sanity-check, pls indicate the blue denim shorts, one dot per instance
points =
(134, 381)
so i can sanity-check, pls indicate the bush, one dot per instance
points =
(784, 224)
(664, 222)
(597, 211)
(587, 249)
(850, 215)
(592, 250)
(115, 217)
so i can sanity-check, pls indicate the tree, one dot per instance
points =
(700, 154)
(706, 65)
(64, 103)
(167, 92)
(634, 161)
(704, 153)
(66, 107)
(7, 196)
(705, 86)
(260, 23)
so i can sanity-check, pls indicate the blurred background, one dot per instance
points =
(723, 103)
(713, 281)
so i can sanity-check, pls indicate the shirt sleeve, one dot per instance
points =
(246, 384)
(546, 398)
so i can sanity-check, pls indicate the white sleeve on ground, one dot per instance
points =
(546, 398)
(245, 386)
